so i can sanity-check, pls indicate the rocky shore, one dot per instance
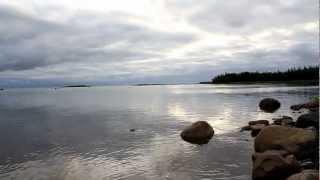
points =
(286, 149)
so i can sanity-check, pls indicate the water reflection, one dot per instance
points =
(221, 121)
(85, 133)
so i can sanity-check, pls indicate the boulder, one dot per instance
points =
(275, 165)
(265, 122)
(308, 174)
(283, 121)
(309, 119)
(198, 133)
(269, 105)
(255, 129)
(297, 141)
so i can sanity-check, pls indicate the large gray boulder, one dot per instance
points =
(198, 133)
(297, 141)
(274, 165)
(269, 105)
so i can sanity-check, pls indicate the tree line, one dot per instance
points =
(292, 74)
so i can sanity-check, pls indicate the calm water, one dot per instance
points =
(84, 133)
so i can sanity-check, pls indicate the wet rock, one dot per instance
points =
(254, 123)
(309, 105)
(245, 128)
(283, 121)
(198, 133)
(265, 122)
(269, 105)
(296, 107)
(297, 141)
(255, 129)
(274, 165)
(309, 119)
(309, 174)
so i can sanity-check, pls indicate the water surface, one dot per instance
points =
(84, 133)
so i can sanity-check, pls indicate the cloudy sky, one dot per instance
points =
(52, 42)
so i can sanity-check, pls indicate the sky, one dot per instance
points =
(56, 42)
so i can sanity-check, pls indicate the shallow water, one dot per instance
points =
(84, 133)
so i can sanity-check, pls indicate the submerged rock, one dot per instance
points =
(274, 165)
(308, 174)
(309, 119)
(198, 133)
(269, 105)
(299, 142)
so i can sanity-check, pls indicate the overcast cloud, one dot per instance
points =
(57, 42)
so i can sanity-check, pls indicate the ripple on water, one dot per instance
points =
(84, 133)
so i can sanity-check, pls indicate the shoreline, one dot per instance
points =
(287, 148)
(297, 82)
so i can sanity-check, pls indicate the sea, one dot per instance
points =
(133, 132)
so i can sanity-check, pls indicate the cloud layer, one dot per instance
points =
(156, 41)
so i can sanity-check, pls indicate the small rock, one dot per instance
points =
(132, 130)
(274, 165)
(269, 105)
(309, 105)
(283, 121)
(198, 133)
(297, 141)
(245, 128)
(265, 122)
(255, 126)
(309, 119)
(296, 107)
(308, 174)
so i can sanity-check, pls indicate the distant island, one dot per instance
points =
(149, 84)
(80, 85)
(307, 74)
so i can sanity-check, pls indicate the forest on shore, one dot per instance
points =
(292, 74)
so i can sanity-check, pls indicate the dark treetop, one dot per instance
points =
(293, 74)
